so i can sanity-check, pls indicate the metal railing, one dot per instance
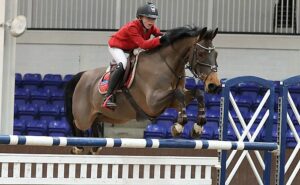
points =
(239, 16)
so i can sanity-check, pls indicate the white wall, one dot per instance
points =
(270, 57)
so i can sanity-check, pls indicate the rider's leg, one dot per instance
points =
(115, 77)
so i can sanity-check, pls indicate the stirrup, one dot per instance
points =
(108, 103)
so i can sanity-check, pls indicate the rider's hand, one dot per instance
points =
(164, 39)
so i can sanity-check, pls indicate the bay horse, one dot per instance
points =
(158, 84)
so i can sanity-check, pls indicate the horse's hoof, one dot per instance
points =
(95, 150)
(197, 131)
(176, 130)
(77, 150)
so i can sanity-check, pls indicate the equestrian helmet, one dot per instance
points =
(147, 10)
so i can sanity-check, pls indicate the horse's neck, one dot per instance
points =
(177, 53)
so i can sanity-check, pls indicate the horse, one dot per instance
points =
(158, 83)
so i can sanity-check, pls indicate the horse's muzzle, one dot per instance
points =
(213, 88)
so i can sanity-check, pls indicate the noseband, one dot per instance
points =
(213, 68)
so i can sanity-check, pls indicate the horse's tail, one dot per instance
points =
(68, 93)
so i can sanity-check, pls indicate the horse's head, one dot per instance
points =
(203, 61)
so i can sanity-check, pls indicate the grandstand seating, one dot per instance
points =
(52, 81)
(37, 127)
(57, 97)
(32, 81)
(39, 97)
(19, 127)
(18, 80)
(161, 127)
(59, 128)
(49, 112)
(21, 96)
(27, 112)
(39, 104)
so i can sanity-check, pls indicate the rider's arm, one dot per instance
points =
(136, 37)
(156, 31)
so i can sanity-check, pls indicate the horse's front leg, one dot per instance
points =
(201, 119)
(179, 104)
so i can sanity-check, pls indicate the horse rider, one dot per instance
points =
(134, 34)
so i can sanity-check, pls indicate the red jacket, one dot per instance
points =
(132, 36)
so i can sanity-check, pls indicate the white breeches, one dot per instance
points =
(119, 55)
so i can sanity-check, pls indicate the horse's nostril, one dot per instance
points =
(211, 87)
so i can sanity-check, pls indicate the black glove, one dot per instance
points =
(164, 39)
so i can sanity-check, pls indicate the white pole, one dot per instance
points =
(2, 32)
(8, 10)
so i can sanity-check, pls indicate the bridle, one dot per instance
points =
(190, 60)
(193, 59)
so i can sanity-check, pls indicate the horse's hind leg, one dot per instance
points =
(97, 131)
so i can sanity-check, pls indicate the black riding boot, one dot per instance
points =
(114, 79)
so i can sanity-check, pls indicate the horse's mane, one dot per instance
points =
(182, 32)
(178, 33)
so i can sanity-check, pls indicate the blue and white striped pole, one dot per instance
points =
(134, 143)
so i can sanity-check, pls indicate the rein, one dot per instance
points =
(213, 68)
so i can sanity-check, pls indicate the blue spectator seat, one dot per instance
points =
(21, 96)
(274, 134)
(212, 101)
(248, 89)
(154, 131)
(245, 114)
(192, 114)
(294, 120)
(200, 85)
(67, 78)
(59, 128)
(244, 103)
(18, 80)
(16, 111)
(37, 128)
(49, 112)
(62, 112)
(39, 97)
(57, 97)
(290, 139)
(19, 127)
(52, 81)
(231, 136)
(294, 90)
(252, 130)
(210, 131)
(161, 128)
(32, 80)
(190, 83)
(212, 115)
(27, 111)
(258, 100)
(193, 105)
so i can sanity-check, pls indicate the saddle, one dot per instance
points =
(128, 75)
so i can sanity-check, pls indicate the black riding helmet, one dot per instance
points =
(147, 10)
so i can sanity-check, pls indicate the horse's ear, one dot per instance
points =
(202, 33)
(215, 33)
